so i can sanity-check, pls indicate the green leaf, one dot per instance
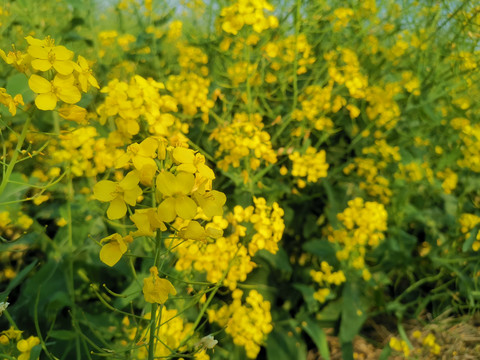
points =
(278, 261)
(318, 336)
(62, 334)
(283, 343)
(347, 350)
(307, 292)
(14, 191)
(17, 280)
(467, 245)
(321, 248)
(18, 84)
(35, 352)
(353, 313)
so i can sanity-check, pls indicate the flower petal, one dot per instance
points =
(105, 190)
(166, 210)
(46, 101)
(39, 84)
(117, 209)
(41, 64)
(185, 207)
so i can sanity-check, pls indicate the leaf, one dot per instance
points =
(18, 84)
(321, 248)
(347, 350)
(318, 336)
(35, 352)
(353, 313)
(278, 261)
(307, 292)
(62, 334)
(14, 191)
(467, 245)
(283, 343)
(17, 280)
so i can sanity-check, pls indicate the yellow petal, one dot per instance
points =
(156, 290)
(39, 84)
(189, 168)
(166, 210)
(122, 160)
(184, 183)
(69, 94)
(185, 207)
(117, 208)
(194, 231)
(92, 81)
(63, 67)
(142, 222)
(183, 155)
(205, 171)
(46, 101)
(130, 196)
(112, 252)
(165, 183)
(41, 64)
(140, 161)
(130, 180)
(148, 147)
(62, 53)
(105, 190)
(38, 52)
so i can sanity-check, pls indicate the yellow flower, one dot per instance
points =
(25, 347)
(156, 290)
(118, 193)
(73, 113)
(45, 56)
(195, 231)
(141, 154)
(12, 103)
(85, 76)
(191, 162)
(211, 202)
(147, 221)
(115, 246)
(176, 190)
(62, 87)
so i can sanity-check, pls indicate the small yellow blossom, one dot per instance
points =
(155, 289)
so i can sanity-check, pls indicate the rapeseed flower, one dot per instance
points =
(155, 289)
(46, 56)
(118, 194)
(175, 189)
(49, 92)
(115, 246)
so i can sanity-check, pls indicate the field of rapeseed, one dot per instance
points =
(239, 179)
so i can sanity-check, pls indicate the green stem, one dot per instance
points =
(153, 313)
(11, 165)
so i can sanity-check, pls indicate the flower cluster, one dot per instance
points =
(364, 225)
(267, 222)
(470, 143)
(24, 346)
(375, 184)
(312, 165)
(129, 103)
(248, 323)
(247, 12)
(227, 253)
(182, 188)
(243, 140)
(467, 223)
(64, 80)
(325, 277)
